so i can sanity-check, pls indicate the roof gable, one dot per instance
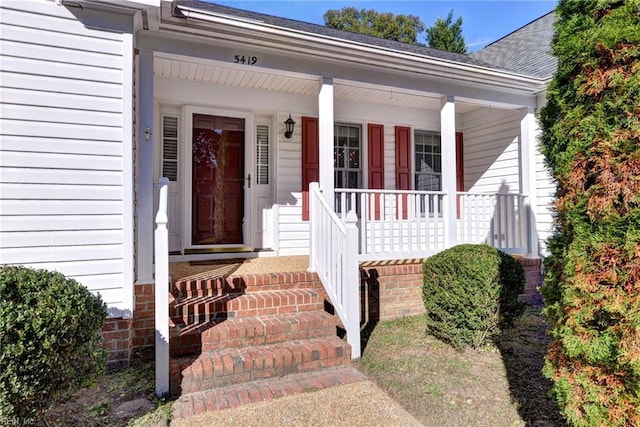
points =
(330, 32)
(526, 50)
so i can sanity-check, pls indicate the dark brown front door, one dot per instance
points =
(217, 180)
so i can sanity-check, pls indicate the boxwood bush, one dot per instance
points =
(49, 338)
(469, 292)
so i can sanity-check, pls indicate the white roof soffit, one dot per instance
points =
(353, 52)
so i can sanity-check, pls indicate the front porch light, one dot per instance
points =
(288, 127)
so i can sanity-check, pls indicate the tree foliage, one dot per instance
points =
(447, 35)
(591, 142)
(401, 28)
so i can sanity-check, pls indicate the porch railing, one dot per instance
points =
(161, 248)
(499, 220)
(334, 256)
(395, 223)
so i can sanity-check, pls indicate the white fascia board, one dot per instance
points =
(117, 4)
(186, 45)
(373, 54)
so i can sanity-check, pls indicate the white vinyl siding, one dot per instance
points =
(65, 148)
(544, 216)
(491, 151)
(292, 236)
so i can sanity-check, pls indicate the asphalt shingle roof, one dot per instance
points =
(527, 50)
(331, 32)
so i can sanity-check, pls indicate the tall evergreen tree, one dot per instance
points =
(402, 28)
(591, 142)
(447, 35)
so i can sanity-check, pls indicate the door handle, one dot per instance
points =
(248, 178)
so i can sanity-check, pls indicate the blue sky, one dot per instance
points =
(484, 21)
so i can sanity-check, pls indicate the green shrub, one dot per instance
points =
(49, 338)
(469, 292)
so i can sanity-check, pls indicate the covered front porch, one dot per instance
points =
(393, 155)
(459, 139)
(424, 170)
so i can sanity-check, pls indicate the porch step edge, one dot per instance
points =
(250, 331)
(205, 284)
(262, 390)
(205, 309)
(232, 366)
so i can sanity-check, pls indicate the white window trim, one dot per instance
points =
(185, 174)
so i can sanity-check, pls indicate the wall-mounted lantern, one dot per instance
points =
(288, 127)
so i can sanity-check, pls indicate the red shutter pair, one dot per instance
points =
(310, 159)
(311, 168)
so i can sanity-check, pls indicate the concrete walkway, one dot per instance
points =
(357, 404)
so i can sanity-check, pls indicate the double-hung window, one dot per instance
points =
(347, 157)
(428, 164)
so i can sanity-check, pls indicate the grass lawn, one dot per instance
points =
(500, 385)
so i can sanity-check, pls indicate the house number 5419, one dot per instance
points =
(241, 59)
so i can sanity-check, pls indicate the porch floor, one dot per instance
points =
(237, 266)
(264, 265)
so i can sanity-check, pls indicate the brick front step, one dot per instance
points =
(257, 391)
(251, 331)
(200, 310)
(244, 284)
(240, 365)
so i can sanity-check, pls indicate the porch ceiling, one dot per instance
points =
(212, 73)
(276, 81)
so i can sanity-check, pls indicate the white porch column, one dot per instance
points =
(528, 140)
(448, 143)
(144, 220)
(325, 130)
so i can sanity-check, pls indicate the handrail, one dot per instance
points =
(382, 191)
(161, 248)
(334, 257)
(466, 193)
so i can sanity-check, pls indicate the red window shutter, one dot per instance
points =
(459, 169)
(376, 156)
(310, 160)
(403, 163)
(459, 162)
(376, 161)
(403, 158)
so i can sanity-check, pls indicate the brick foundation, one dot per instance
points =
(129, 340)
(116, 336)
(395, 290)
(143, 334)
(390, 291)
(533, 276)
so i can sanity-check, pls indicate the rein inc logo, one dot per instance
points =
(17, 421)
